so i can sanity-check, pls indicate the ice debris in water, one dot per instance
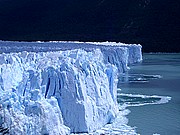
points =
(140, 100)
(64, 91)
(138, 78)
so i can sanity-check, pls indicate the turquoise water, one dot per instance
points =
(151, 91)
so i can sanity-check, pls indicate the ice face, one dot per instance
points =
(63, 91)
(119, 54)
(24, 108)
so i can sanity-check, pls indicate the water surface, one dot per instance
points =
(145, 89)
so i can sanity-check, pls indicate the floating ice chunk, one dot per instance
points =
(140, 100)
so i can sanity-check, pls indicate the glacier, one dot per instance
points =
(62, 87)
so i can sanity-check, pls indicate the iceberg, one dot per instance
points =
(61, 87)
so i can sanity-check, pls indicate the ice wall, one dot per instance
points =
(41, 92)
(119, 54)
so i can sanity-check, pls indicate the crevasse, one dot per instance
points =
(61, 87)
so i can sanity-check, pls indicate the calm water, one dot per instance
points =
(158, 75)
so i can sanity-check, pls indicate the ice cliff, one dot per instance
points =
(60, 87)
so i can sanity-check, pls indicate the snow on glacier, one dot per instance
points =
(61, 87)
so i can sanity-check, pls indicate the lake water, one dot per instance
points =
(151, 91)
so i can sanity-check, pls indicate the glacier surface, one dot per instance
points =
(61, 87)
